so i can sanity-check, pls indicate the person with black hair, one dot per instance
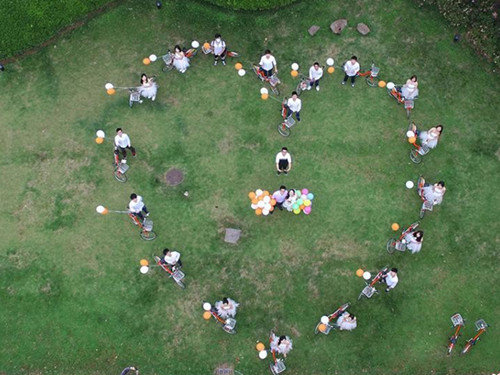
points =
(280, 196)
(315, 74)
(351, 69)
(268, 64)
(414, 240)
(281, 344)
(283, 161)
(148, 87)
(122, 143)
(347, 322)
(226, 308)
(293, 106)
(181, 62)
(433, 193)
(218, 47)
(137, 206)
(172, 258)
(391, 279)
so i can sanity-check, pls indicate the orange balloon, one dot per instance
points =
(238, 66)
(264, 96)
(99, 140)
(294, 73)
(395, 226)
(412, 139)
(206, 45)
(255, 200)
(251, 195)
(260, 346)
(271, 209)
(111, 91)
(273, 202)
(146, 61)
(331, 69)
(206, 315)
(106, 211)
(258, 211)
(265, 192)
(302, 206)
(322, 327)
(381, 84)
(359, 272)
(144, 262)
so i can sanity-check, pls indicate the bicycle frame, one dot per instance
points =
(176, 275)
(371, 75)
(273, 80)
(120, 169)
(146, 234)
(481, 328)
(369, 290)
(227, 325)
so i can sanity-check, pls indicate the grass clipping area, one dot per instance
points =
(72, 295)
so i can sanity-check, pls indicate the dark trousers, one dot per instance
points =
(124, 151)
(315, 83)
(353, 78)
(289, 113)
(267, 73)
(282, 165)
(222, 56)
(140, 215)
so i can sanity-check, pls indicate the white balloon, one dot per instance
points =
(144, 269)
(409, 184)
(267, 199)
(254, 206)
(265, 212)
(100, 134)
(108, 86)
(99, 209)
(390, 85)
(242, 72)
(410, 134)
(195, 44)
(330, 61)
(258, 192)
(367, 275)
(264, 91)
(324, 319)
(153, 57)
(261, 204)
(263, 354)
(267, 206)
(295, 66)
(207, 306)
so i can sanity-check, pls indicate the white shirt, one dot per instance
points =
(267, 63)
(123, 141)
(280, 156)
(218, 46)
(315, 74)
(136, 207)
(391, 281)
(351, 69)
(173, 258)
(294, 105)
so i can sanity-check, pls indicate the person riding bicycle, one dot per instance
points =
(409, 90)
(315, 74)
(148, 87)
(137, 206)
(351, 69)
(414, 240)
(347, 322)
(122, 142)
(390, 278)
(268, 64)
(172, 258)
(429, 138)
(218, 48)
(432, 193)
(226, 308)
(281, 344)
(293, 105)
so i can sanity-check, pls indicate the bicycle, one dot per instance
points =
(394, 91)
(369, 290)
(399, 244)
(284, 127)
(121, 168)
(273, 80)
(146, 227)
(174, 273)
(458, 323)
(481, 326)
(277, 366)
(228, 325)
(324, 325)
(371, 76)
(418, 151)
(168, 58)
(426, 205)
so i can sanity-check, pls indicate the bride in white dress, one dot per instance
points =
(181, 62)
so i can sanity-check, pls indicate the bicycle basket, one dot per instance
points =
(123, 168)
(279, 366)
(375, 71)
(289, 122)
(457, 320)
(147, 225)
(274, 80)
(178, 275)
(400, 246)
(369, 291)
(424, 149)
(135, 96)
(230, 323)
(427, 206)
(409, 104)
(167, 58)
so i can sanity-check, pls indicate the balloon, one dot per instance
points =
(412, 139)
(264, 91)
(324, 319)
(410, 134)
(390, 85)
(255, 201)
(111, 91)
(395, 226)
(330, 61)
(238, 66)
(241, 72)
(206, 315)
(207, 306)
(300, 201)
(273, 202)
(307, 210)
(108, 86)
(295, 206)
(260, 346)
(258, 211)
(153, 57)
(100, 134)
(307, 203)
(100, 209)
(106, 211)
(367, 275)
(271, 209)
(298, 193)
(264, 96)
(297, 211)
(146, 61)
(409, 184)
(258, 192)
(261, 204)
(144, 262)
(295, 66)
(331, 69)
(206, 45)
(321, 327)
(381, 84)
(310, 196)
(254, 206)
(265, 212)
(195, 44)
(144, 269)
(267, 199)
(305, 191)
(99, 140)
(263, 354)
(359, 272)
(251, 195)
(294, 73)
(302, 207)
(265, 192)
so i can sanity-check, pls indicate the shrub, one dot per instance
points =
(477, 19)
(250, 4)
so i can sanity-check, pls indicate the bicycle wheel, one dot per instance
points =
(372, 81)
(167, 67)
(284, 130)
(415, 156)
(408, 113)
(148, 236)
(422, 213)
(275, 89)
(361, 295)
(120, 176)
(181, 284)
(391, 246)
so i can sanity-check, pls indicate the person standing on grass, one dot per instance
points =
(280, 196)
(122, 142)
(391, 279)
(315, 74)
(351, 69)
(268, 64)
(283, 161)
(137, 206)
(218, 47)
(294, 105)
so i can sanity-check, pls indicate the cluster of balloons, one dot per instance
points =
(264, 93)
(110, 89)
(364, 274)
(239, 67)
(262, 202)
(100, 135)
(411, 137)
(102, 210)
(144, 266)
(261, 348)
(304, 202)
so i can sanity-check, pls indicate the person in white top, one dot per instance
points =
(226, 308)
(315, 74)
(391, 279)
(347, 322)
(281, 344)
(410, 88)
(430, 138)
(122, 142)
(414, 240)
(181, 62)
(268, 64)
(283, 161)
(433, 193)
(148, 87)
(172, 258)
(218, 47)
(294, 105)
(351, 69)
(137, 206)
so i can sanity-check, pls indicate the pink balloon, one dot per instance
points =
(305, 191)
(307, 210)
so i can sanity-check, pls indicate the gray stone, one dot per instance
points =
(338, 25)
(363, 28)
(313, 30)
(232, 235)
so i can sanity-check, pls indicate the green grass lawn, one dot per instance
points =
(72, 298)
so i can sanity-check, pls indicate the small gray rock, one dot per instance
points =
(232, 235)
(338, 25)
(363, 28)
(313, 30)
